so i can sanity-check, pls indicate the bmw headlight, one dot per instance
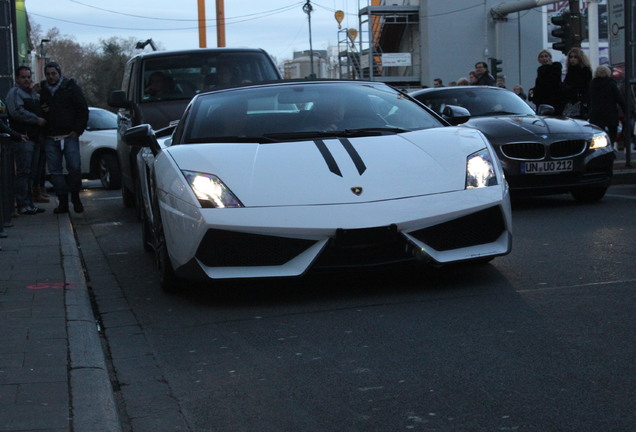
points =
(599, 140)
(480, 170)
(210, 190)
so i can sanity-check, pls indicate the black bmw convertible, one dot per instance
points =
(540, 154)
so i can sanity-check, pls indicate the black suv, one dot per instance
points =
(157, 87)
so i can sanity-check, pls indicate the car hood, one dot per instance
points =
(528, 127)
(328, 171)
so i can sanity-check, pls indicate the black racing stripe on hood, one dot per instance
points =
(326, 154)
(355, 156)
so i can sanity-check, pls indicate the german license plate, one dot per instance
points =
(547, 167)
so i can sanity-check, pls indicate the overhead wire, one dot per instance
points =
(228, 20)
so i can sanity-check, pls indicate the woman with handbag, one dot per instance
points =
(576, 85)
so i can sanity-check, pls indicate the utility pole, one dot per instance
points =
(220, 24)
(202, 28)
(308, 9)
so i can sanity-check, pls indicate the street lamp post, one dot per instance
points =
(308, 9)
(42, 62)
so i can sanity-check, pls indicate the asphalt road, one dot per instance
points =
(540, 340)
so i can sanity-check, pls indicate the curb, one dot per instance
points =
(92, 402)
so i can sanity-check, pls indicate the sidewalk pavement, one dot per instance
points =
(53, 370)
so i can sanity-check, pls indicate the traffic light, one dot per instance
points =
(562, 32)
(494, 66)
(569, 31)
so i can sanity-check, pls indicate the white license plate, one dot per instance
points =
(547, 167)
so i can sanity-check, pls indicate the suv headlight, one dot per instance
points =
(599, 140)
(211, 191)
(480, 170)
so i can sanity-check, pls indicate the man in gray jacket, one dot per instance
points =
(25, 117)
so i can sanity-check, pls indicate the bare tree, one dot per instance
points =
(97, 68)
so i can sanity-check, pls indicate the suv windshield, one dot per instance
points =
(182, 76)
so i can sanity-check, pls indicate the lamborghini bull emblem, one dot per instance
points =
(357, 190)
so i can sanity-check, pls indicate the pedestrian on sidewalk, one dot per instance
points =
(66, 113)
(547, 88)
(23, 107)
(483, 75)
(6, 173)
(40, 194)
(576, 85)
(605, 100)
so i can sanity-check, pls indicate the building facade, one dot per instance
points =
(409, 43)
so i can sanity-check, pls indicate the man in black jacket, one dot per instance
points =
(483, 75)
(66, 114)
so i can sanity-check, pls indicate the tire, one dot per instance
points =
(109, 171)
(147, 237)
(127, 197)
(589, 194)
(168, 281)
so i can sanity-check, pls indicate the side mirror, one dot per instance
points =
(455, 115)
(142, 136)
(118, 99)
(545, 110)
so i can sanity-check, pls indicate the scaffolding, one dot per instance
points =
(387, 48)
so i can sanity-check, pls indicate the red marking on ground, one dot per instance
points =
(48, 285)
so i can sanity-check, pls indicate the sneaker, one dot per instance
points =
(27, 210)
(38, 209)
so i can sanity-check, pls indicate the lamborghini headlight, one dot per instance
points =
(480, 170)
(210, 190)
(599, 140)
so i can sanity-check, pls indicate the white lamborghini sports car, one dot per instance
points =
(272, 180)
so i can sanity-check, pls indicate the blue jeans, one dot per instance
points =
(23, 154)
(71, 154)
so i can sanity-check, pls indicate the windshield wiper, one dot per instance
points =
(230, 139)
(374, 131)
(285, 136)
(494, 113)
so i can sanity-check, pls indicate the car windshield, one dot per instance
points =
(478, 101)
(304, 110)
(99, 119)
(178, 77)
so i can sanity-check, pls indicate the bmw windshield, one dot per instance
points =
(479, 101)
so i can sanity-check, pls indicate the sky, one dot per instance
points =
(278, 26)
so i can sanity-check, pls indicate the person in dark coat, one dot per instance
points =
(605, 98)
(547, 85)
(483, 75)
(66, 113)
(576, 84)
